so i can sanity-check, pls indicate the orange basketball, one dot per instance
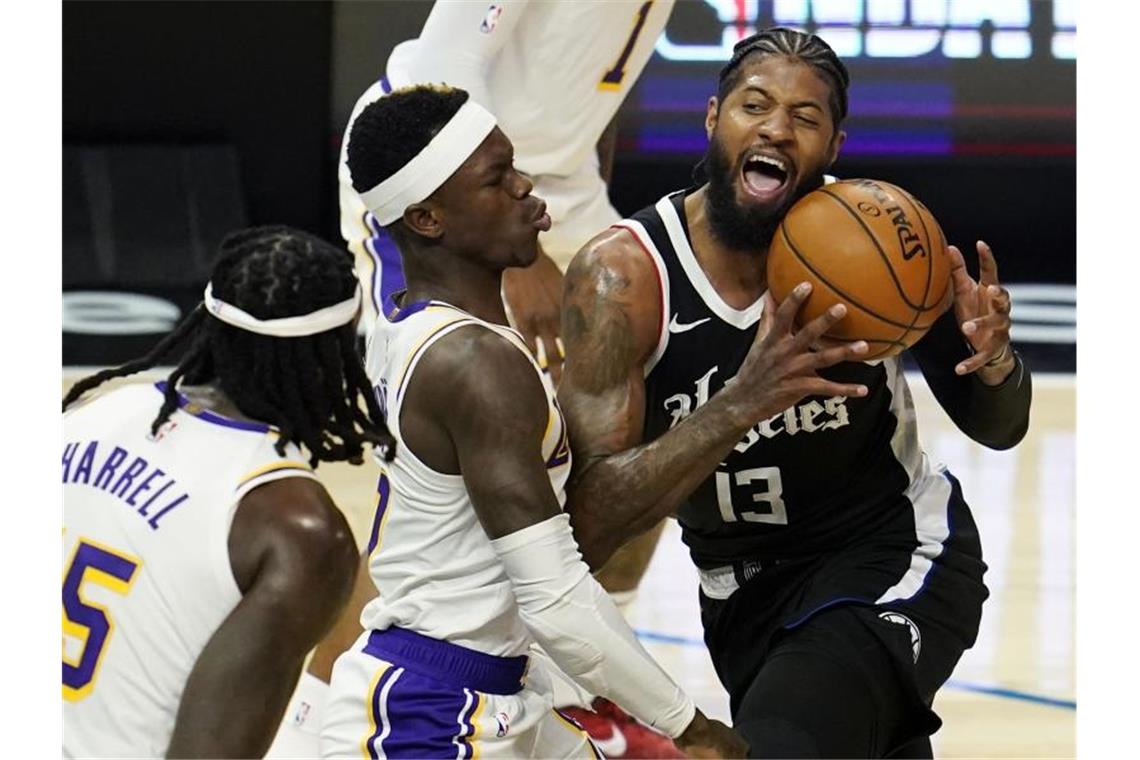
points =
(869, 245)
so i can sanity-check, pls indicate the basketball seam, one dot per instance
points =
(796, 252)
(879, 248)
(929, 259)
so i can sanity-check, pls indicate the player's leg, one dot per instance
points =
(831, 688)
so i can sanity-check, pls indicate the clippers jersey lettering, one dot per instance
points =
(430, 558)
(822, 474)
(146, 568)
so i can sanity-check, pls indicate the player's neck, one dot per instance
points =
(211, 396)
(477, 291)
(737, 275)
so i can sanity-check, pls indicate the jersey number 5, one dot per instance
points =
(611, 80)
(85, 620)
(759, 488)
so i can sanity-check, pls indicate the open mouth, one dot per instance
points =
(765, 177)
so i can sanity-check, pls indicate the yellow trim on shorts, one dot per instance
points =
(384, 666)
(582, 731)
(474, 721)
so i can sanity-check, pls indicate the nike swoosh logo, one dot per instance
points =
(677, 327)
(615, 746)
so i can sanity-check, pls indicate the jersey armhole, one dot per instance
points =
(640, 234)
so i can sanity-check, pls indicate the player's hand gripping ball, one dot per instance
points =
(869, 245)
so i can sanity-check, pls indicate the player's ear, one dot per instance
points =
(711, 112)
(836, 144)
(423, 220)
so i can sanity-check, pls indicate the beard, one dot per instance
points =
(739, 227)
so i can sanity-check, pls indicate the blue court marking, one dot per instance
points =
(993, 691)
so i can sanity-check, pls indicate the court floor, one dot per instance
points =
(1013, 694)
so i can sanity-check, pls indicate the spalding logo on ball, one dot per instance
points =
(869, 245)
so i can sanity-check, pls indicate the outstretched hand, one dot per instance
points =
(781, 366)
(534, 302)
(982, 310)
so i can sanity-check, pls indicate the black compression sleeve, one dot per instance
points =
(994, 416)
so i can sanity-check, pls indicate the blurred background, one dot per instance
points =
(183, 120)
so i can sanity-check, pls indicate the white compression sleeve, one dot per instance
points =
(578, 625)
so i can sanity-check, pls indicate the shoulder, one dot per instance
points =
(612, 285)
(292, 523)
(615, 254)
(474, 371)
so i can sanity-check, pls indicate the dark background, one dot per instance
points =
(182, 120)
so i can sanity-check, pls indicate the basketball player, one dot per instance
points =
(471, 553)
(554, 73)
(203, 560)
(840, 569)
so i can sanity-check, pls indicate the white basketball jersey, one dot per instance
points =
(430, 558)
(146, 566)
(559, 78)
(558, 72)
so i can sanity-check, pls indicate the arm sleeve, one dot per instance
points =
(578, 624)
(472, 34)
(994, 416)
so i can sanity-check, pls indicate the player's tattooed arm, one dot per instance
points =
(611, 317)
(294, 559)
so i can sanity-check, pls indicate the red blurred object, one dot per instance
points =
(618, 734)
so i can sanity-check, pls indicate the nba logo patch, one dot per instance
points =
(302, 714)
(504, 722)
(491, 20)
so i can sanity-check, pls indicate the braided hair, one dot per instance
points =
(781, 41)
(808, 48)
(310, 387)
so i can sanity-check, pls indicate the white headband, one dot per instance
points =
(431, 167)
(286, 327)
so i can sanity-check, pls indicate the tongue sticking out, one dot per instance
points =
(762, 182)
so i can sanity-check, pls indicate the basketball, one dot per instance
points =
(873, 247)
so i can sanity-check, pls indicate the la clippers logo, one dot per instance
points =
(899, 619)
(504, 722)
(491, 20)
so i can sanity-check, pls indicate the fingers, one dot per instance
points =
(818, 386)
(815, 329)
(549, 354)
(994, 321)
(978, 360)
(963, 283)
(987, 264)
(786, 313)
(848, 352)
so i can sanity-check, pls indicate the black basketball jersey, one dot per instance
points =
(823, 474)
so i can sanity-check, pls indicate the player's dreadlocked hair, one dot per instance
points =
(391, 131)
(809, 48)
(309, 387)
